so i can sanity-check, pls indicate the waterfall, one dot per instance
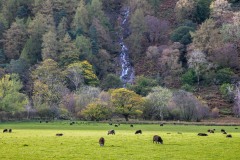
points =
(127, 73)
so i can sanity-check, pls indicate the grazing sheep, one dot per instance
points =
(138, 132)
(222, 130)
(5, 130)
(116, 125)
(236, 128)
(157, 139)
(161, 124)
(101, 141)
(211, 131)
(59, 134)
(111, 132)
(10, 130)
(202, 134)
(229, 136)
(40, 121)
(131, 125)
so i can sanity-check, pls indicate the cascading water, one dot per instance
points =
(127, 73)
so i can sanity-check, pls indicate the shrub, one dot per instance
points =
(189, 77)
(182, 35)
(224, 75)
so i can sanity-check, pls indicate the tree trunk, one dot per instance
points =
(126, 117)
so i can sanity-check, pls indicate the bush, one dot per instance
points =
(227, 90)
(182, 35)
(188, 88)
(189, 77)
(224, 75)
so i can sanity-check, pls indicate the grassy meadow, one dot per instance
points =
(37, 141)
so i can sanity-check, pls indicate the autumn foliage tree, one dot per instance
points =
(126, 102)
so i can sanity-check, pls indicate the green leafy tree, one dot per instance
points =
(182, 35)
(111, 81)
(96, 111)
(126, 102)
(159, 99)
(84, 46)
(69, 52)
(50, 46)
(143, 85)
(11, 99)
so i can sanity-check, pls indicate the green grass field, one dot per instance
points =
(35, 141)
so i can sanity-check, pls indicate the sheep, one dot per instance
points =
(5, 130)
(59, 134)
(10, 130)
(112, 132)
(157, 139)
(131, 125)
(101, 141)
(138, 132)
(202, 134)
(229, 136)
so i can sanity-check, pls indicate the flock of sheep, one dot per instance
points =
(156, 138)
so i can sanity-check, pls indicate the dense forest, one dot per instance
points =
(63, 59)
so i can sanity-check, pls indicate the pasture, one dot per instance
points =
(38, 141)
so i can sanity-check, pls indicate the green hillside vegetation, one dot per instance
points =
(60, 59)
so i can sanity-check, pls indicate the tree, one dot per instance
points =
(219, 8)
(231, 31)
(182, 35)
(198, 63)
(48, 85)
(159, 99)
(81, 19)
(96, 111)
(143, 85)
(14, 46)
(207, 37)
(236, 108)
(156, 29)
(126, 102)
(189, 106)
(84, 96)
(185, 9)
(50, 46)
(68, 51)
(84, 46)
(11, 99)
(74, 72)
(111, 81)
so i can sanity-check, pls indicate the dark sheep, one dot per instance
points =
(46, 121)
(5, 130)
(161, 124)
(116, 125)
(59, 134)
(10, 130)
(138, 132)
(101, 141)
(211, 131)
(157, 139)
(40, 121)
(222, 130)
(202, 134)
(112, 132)
(229, 136)
(131, 125)
(236, 128)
